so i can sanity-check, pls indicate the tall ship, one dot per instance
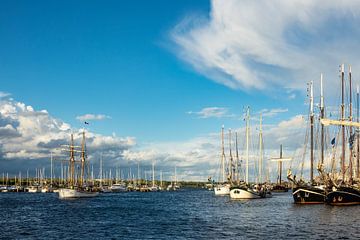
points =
(77, 186)
(344, 186)
(244, 190)
(222, 187)
(310, 192)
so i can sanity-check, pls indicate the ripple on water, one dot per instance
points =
(195, 214)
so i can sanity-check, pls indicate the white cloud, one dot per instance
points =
(273, 112)
(88, 117)
(212, 112)
(4, 94)
(266, 45)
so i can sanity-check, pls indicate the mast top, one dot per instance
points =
(311, 98)
(321, 92)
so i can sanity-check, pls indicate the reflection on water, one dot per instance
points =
(185, 214)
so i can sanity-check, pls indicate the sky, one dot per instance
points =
(156, 80)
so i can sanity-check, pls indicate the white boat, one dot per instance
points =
(46, 189)
(118, 187)
(247, 193)
(222, 189)
(76, 193)
(33, 189)
(154, 188)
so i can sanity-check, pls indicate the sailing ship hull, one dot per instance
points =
(238, 193)
(308, 195)
(343, 196)
(74, 193)
(222, 190)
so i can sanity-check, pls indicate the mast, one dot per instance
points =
(51, 169)
(311, 133)
(161, 178)
(175, 177)
(72, 161)
(280, 165)
(358, 143)
(83, 156)
(350, 128)
(322, 115)
(101, 170)
(153, 174)
(260, 149)
(247, 145)
(222, 155)
(342, 127)
(237, 158)
(138, 174)
(230, 160)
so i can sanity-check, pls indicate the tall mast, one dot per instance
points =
(237, 158)
(311, 133)
(350, 128)
(222, 155)
(138, 174)
(280, 164)
(247, 144)
(161, 178)
(230, 160)
(342, 127)
(72, 161)
(83, 155)
(51, 169)
(101, 170)
(153, 174)
(322, 115)
(358, 143)
(260, 149)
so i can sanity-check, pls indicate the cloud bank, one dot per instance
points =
(263, 45)
(28, 134)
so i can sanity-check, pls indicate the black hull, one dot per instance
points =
(308, 195)
(344, 196)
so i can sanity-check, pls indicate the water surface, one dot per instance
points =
(186, 214)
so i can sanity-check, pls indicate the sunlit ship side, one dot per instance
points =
(222, 189)
(76, 193)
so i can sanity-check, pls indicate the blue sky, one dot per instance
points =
(157, 79)
(115, 59)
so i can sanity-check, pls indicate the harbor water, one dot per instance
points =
(184, 214)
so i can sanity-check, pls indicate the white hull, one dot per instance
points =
(239, 193)
(34, 190)
(73, 193)
(115, 188)
(222, 190)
